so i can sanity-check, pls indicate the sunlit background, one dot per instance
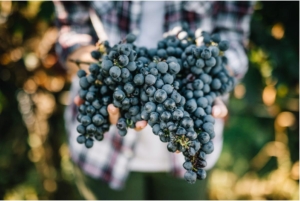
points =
(260, 158)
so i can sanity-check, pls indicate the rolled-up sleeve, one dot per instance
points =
(232, 20)
(75, 28)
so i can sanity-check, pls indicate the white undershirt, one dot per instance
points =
(151, 24)
(151, 155)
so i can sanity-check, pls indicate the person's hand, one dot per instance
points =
(114, 114)
(83, 54)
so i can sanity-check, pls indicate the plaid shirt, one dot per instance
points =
(109, 160)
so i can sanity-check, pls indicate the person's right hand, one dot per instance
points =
(83, 54)
(114, 114)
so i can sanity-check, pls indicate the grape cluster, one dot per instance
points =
(93, 115)
(204, 77)
(172, 87)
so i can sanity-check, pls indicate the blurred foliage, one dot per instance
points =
(33, 93)
(260, 158)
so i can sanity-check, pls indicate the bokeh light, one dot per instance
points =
(269, 95)
(278, 31)
(285, 119)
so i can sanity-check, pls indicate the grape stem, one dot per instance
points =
(183, 141)
(129, 122)
(78, 62)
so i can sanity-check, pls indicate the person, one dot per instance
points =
(138, 166)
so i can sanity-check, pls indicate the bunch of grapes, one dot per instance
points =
(204, 78)
(93, 115)
(172, 87)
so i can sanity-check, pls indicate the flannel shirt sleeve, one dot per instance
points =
(232, 20)
(74, 26)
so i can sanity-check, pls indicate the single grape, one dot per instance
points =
(150, 91)
(130, 38)
(98, 119)
(223, 45)
(216, 84)
(160, 95)
(159, 83)
(90, 110)
(216, 37)
(150, 107)
(121, 124)
(80, 129)
(90, 96)
(94, 68)
(119, 95)
(86, 120)
(83, 82)
(169, 104)
(139, 79)
(208, 147)
(168, 78)
(165, 116)
(200, 63)
(162, 67)
(201, 174)
(171, 147)
(150, 79)
(190, 177)
(91, 129)
(203, 137)
(89, 143)
(125, 73)
(210, 62)
(125, 49)
(188, 165)
(81, 73)
(208, 127)
(174, 68)
(81, 139)
(122, 132)
(115, 72)
(191, 105)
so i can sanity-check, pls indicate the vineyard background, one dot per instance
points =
(260, 157)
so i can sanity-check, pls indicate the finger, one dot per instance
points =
(219, 110)
(113, 113)
(140, 125)
(177, 152)
(216, 111)
(78, 101)
(224, 110)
